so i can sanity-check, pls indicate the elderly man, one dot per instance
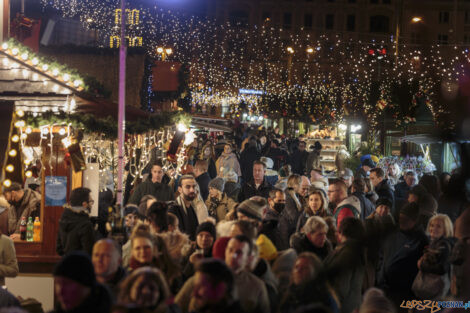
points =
(258, 186)
(23, 203)
(106, 259)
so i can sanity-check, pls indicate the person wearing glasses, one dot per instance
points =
(75, 227)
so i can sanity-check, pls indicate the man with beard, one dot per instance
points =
(23, 203)
(185, 212)
(75, 228)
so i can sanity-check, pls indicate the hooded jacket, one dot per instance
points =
(75, 232)
(349, 207)
(160, 191)
(30, 205)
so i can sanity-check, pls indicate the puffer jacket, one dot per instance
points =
(349, 207)
(75, 232)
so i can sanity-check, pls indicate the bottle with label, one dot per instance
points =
(29, 229)
(37, 230)
(23, 228)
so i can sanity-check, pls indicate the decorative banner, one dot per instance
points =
(91, 180)
(56, 190)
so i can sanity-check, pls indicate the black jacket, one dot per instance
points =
(75, 232)
(249, 190)
(298, 161)
(98, 301)
(113, 284)
(203, 182)
(160, 191)
(247, 157)
(270, 227)
(188, 221)
(279, 157)
(300, 243)
(385, 190)
(401, 194)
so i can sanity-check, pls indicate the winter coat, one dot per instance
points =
(30, 205)
(298, 161)
(113, 283)
(300, 243)
(160, 191)
(313, 160)
(203, 182)
(187, 218)
(270, 228)
(288, 219)
(247, 157)
(219, 208)
(98, 301)
(385, 190)
(436, 256)
(367, 207)
(279, 157)
(228, 162)
(8, 262)
(263, 271)
(398, 267)
(349, 207)
(345, 269)
(178, 245)
(249, 190)
(401, 194)
(75, 232)
(372, 196)
(4, 207)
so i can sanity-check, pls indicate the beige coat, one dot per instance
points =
(8, 262)
(31, 203)
(225, 205)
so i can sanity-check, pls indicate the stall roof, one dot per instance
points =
(421, 139)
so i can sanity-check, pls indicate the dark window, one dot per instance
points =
(308, 0)
(466, 39)
(386, 1)
(331, 0)
(351, 23)
(443, 17)
(374, 1)
(329, 21)
(415, 39)
(352, 1)
(442, 39)
(287, 21)
(467, 17)
(308, 21)
(239, 18)
(379, 24)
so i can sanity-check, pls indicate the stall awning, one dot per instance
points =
(422, 139)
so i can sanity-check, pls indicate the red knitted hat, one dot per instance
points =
(218, 249)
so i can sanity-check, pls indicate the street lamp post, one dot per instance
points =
(414, 19)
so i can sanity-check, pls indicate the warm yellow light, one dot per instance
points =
(28, 174)
(89, 20)
(10, 168)
(15, 138)
(20, 113)
(29, 130)
(20, 123)
(168, 51)
(290, 50)
(24, 136)
(12, 153)
(416, 19)
(160, 50)
(7, 183)
(310, 50)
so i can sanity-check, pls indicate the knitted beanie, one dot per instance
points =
(217, 183)
(253, 207)
(207, 227)
(266, 248)
(218, 249)
(77, 266)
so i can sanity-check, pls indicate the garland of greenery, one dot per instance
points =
(108, 126)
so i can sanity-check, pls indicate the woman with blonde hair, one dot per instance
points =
(435, 260)
(146, 288)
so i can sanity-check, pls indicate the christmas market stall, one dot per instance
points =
(54, 140)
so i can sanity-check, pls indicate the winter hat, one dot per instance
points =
(208, 227)
(317, 145)
(411, 210)
(253, 207)
(218, 249)
(77, 266)
(217, 183)
(268, 162)
(369, 163)
(346, 174)
(384, 201)
(230, 176)
(266, 248)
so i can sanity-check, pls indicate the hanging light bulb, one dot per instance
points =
(23, 136)
(10, 168)
(15, 138)
(20, 113)
(12, 153)
(20, 123)
(62, 131)
(29, 130)
(7, 183)
(28, 174)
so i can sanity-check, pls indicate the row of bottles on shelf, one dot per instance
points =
(30, 231)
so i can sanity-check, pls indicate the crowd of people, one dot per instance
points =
(253, 225)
